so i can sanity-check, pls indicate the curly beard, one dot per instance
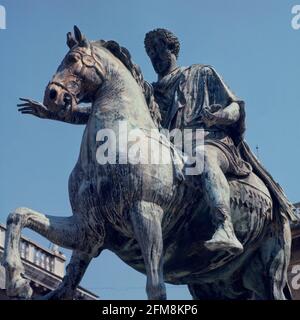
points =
(163, 66)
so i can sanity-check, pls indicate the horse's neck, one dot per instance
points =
(121, 99)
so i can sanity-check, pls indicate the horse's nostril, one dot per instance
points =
(52, 94)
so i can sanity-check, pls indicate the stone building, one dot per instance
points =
(44, 267)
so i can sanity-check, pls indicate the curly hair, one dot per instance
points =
(167, 35)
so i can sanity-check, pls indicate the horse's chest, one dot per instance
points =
(98, 194)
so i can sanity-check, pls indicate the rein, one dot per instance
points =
(88, 61)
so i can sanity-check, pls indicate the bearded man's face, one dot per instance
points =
(160, 55)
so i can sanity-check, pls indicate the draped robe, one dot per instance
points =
(184, 93)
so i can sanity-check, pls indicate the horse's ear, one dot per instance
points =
(71, 42)
(80, 38)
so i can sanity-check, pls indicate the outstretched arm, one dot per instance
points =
(79, 116)
(215, 115)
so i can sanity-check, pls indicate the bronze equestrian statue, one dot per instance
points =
(232, 243)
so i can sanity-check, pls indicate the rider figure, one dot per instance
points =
(196, 97)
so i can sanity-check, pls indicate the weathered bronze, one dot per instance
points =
(154, 218)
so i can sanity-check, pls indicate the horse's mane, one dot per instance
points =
(125, 57)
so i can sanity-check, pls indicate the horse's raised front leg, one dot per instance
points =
(63, 231)
(146, 218)
(74, 273)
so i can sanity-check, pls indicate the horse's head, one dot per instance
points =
(85, 68)
(77, 79)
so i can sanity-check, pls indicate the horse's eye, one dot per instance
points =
(72, 85)
(72, 58)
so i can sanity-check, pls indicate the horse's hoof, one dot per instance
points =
(156, 292)
(56, 295)
(20, 289)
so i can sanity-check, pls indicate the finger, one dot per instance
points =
(30, 101)
(29, 112)
(25, 99)
(26, 109)
(208, 113)
(23, 104)
(27, 105)
(30, 104)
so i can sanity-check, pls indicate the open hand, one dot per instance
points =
(34, 108)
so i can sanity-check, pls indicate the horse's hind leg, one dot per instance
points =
(60, 230)
(266, 274)
(280, 262)
(146, 219)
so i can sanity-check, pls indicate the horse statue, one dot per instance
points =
(154, 221)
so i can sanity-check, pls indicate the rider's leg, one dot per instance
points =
(217, 192)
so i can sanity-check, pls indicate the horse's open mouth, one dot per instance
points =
(67, 107)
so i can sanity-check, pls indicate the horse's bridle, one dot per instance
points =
(89, 61)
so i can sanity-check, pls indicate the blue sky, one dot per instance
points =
(251, 44)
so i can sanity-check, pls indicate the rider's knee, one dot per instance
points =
(209, 159)
(213, 159)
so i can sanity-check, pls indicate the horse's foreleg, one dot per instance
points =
(60, 230)
(146, 219)
(74, 273)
